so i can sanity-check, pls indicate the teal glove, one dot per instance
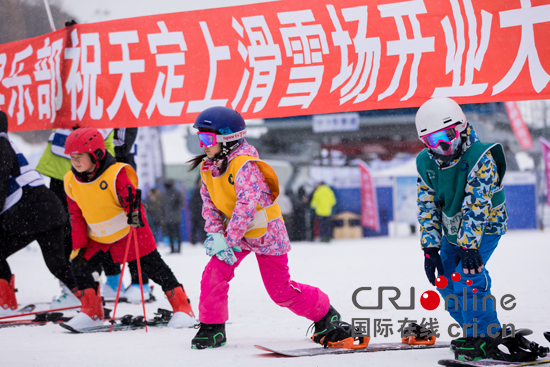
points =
(216, 244)
(228, 256)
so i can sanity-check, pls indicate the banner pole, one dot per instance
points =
(50, 18)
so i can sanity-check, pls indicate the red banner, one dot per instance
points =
(546, 156)
(518, 125)
(369, 203)
(277, 59)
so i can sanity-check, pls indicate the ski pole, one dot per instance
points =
(130, 202)
(137, 205)
(140, 278)
(35, 312)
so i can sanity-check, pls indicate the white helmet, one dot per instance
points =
(437, 114)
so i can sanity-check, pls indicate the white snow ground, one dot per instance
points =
(518, 267)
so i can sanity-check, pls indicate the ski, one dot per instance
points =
(43, 318)
(127, 322)
(37, 312)
(491, 362)
(39, 320)
(377, 347)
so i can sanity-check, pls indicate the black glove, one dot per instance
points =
(471, 260)
(432, 260)
(78, 255)
(134, 220)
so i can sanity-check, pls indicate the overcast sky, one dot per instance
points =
(86, 11)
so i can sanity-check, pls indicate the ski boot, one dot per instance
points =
(456, 343)
(8, 302)
(91, 313)
(323, 326)
(183, 316)
(209, 336)
(133, 293)
(473, 349)
(110, 288)
(67, 298)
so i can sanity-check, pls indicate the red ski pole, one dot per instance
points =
(130, 201)
(139, 275)
(137, 205)
(121, 276)
(35, 312)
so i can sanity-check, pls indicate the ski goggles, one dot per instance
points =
(446, 135)
(208, 139)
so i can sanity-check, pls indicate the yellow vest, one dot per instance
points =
(107, 222)
(224, 196)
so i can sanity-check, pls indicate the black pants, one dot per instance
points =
(174, 235)
(151, 264)
(108, 265)
(51, 244)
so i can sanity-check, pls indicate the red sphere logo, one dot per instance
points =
(441, 282)
(430, 300)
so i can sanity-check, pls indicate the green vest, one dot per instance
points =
(449, 182)
(55, 166)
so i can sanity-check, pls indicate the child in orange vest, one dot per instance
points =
(97, 192)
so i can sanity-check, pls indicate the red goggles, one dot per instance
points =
(446, 135)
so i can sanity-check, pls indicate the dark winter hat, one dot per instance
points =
(3, 122)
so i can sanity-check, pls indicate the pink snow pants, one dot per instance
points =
(302, 299)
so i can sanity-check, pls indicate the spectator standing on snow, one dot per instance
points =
(322, 201)
(198, 235)
(172, 205)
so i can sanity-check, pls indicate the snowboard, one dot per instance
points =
(376, 347)
(491, 362)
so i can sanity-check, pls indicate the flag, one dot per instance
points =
(518, 125)
(369, 204)
(546, 155)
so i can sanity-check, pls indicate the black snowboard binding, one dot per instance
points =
(516, 347)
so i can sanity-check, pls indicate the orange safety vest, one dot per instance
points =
(106, 219)
(224, 196)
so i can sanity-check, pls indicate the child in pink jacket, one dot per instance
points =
(242, 216)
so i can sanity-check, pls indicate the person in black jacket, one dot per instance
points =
(172, 205)
(30, 211)
(198, 235)
(125, 147)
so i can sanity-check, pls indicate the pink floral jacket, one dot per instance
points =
(251, 188)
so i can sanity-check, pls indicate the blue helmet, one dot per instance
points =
(222, 119)
(228, 124)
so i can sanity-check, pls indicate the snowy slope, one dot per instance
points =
(518, 267)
